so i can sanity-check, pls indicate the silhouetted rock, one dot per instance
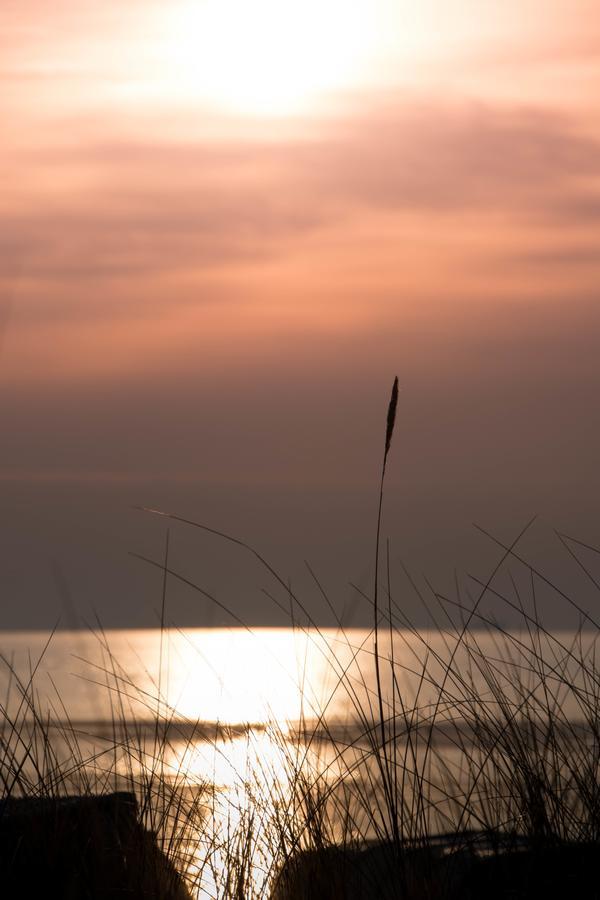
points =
(465, 870)
(82, 848)
(378, 872)
(561, 872)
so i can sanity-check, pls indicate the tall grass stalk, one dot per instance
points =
(389, 779)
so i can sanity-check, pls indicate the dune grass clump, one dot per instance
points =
(54, 772)
(466, 742)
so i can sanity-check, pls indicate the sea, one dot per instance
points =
(240, 717)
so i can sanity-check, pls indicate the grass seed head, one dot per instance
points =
(391, 416)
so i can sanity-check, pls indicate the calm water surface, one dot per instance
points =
(232, 701)
(243, 677)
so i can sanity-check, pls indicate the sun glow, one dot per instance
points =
(266, 56)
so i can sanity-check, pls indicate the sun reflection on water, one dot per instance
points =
(224, 676)
(229, 763)
(252, 777)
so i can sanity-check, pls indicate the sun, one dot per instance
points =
(266, 56)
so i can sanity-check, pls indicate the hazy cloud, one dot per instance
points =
(138, 208)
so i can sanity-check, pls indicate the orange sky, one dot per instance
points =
(225, 228)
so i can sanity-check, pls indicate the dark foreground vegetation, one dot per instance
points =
(76, 847)
(469, 769)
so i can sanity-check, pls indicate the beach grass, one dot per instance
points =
(472, 736)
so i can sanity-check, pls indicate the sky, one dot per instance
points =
(225, 227)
